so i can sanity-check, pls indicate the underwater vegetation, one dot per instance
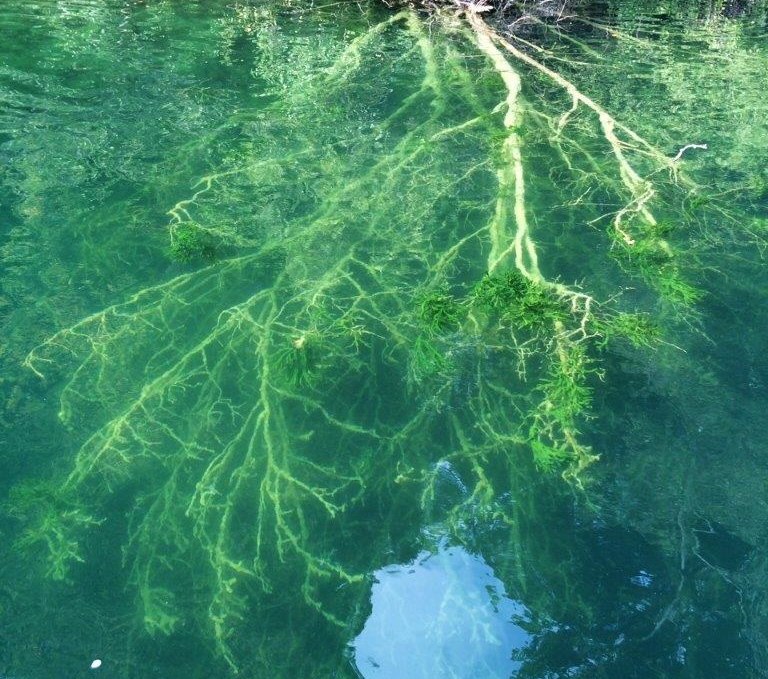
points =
(191, 243)
(363, 303)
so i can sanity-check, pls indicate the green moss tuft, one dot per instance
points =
(538, 306)
(190, 243)
(299, 362)
(426, 360)
(548, 458)
(439, 311)
(497, 292)
(637, 328)
(52, 521)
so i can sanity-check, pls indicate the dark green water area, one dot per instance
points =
(344, 341)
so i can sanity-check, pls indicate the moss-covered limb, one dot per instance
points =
(511, 180)
(198, 375)
(181, 213)
(352, 56)
(55, 524)
(429, 91)
(538, 335)
(510, 175)
(281, 493)
(562, 391)
(154, 308)
(607, 121)
(554, 426)
(260, 454)
(379, 307)
(561, 408)
(640, 190)
(437, 126)
(431, 84)
(553, 433)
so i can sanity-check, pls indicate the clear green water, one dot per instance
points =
(258, 416)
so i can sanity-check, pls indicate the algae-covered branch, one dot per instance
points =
(402, 258)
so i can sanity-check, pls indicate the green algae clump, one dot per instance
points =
(190, 243)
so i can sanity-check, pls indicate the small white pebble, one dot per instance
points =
(96, 664)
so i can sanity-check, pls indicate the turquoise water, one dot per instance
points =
(285, 391)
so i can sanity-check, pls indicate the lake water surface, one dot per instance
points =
(273, 402)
